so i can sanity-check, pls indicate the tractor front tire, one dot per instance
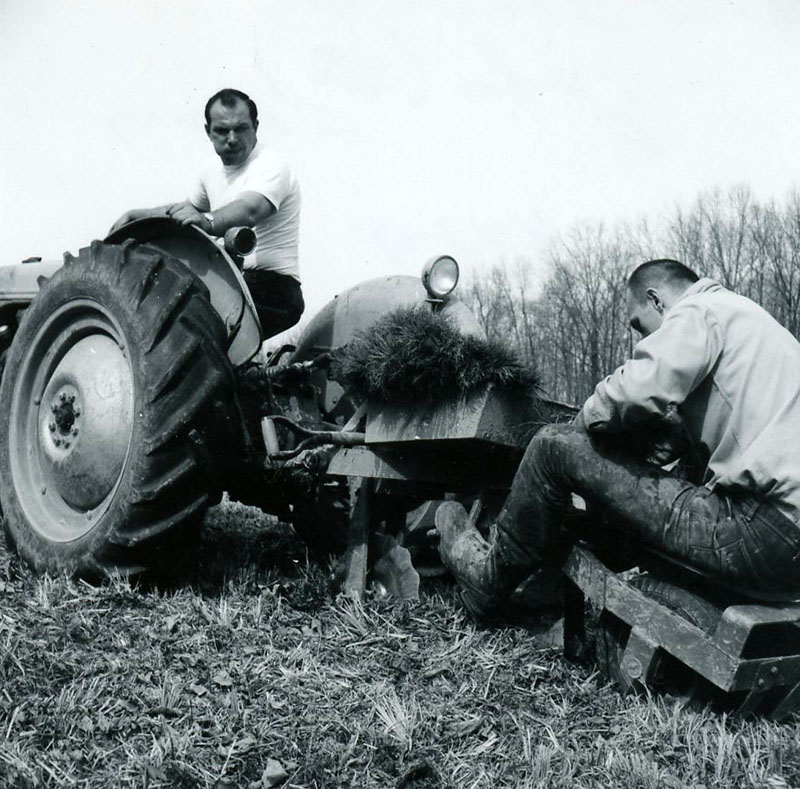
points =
(117, 406)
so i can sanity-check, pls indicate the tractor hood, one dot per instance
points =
(355, 310)
(359, 307)
(19, 283)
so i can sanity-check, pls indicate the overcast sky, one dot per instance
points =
(480, 129)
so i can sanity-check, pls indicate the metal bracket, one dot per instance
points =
(313, 438)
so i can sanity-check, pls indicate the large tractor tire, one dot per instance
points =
(117, 404)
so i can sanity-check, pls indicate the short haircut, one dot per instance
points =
(229, 98)
(657, 272)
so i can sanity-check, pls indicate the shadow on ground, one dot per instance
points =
(234, 542)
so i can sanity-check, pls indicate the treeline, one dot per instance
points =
(573, 326)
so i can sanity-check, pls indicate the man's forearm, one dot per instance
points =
(235, 214)
(228, 216)
(666, 367)
(246, 210)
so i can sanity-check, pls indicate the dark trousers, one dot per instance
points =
(738, 539)
(278, 299)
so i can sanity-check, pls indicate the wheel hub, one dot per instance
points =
(85, 421)
(66, 410)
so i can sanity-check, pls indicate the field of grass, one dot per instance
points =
(244, 671)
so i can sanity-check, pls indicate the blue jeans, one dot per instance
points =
(738, 539)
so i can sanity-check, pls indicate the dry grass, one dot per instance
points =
(245, 673)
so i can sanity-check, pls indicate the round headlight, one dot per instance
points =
(440, 276)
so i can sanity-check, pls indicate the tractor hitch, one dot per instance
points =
(311, 438)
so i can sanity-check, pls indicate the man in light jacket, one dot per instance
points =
(732, 373)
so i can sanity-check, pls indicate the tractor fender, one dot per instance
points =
(356, 309)
(209, 262)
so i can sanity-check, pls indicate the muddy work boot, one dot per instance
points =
(484, 581)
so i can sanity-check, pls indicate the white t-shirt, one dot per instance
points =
(268, 173)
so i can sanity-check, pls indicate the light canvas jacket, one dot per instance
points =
(735, 373)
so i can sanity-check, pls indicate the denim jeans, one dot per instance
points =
(735, 538)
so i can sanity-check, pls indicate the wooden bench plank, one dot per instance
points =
(355, 583)
(664, 627)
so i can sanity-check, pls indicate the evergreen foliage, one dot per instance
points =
(413, 354)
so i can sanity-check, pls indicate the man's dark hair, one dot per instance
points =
(229, 98)
(657, 272)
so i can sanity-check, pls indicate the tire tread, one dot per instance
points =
(187, 406)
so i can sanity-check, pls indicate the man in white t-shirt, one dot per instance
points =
(246, 184)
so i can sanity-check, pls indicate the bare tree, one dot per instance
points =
(503, 303)
(584, 301)
(575, 327)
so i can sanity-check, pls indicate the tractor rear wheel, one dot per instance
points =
(117, 402)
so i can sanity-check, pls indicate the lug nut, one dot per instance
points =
(75, 431)
(71, 398)
(57, 442)
(52, 427)
(62, 397)
(54, 408)
(77, 412)
(66, 445)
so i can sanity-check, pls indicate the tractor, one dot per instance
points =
(131, 401)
